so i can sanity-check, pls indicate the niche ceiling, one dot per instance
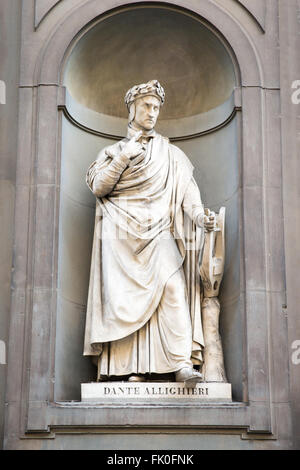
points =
(142, 44)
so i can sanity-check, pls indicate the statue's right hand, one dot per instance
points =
(133, 148)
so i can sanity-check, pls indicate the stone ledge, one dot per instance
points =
(153, 392)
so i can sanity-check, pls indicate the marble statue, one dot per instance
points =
(144, 302)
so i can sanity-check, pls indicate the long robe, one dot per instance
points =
(142, 238)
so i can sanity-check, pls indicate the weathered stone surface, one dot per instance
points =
(10, 13)
(257, 8)
(47, 137)
(254, 238)
(270, 132)
(42, 8)
(71, 368)
(290, 129)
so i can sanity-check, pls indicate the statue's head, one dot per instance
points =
(143, 103)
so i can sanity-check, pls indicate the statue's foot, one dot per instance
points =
(136, 378)
(189, 376)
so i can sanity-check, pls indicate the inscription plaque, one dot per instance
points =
(102, 392)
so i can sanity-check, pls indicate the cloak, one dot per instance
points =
(141, 237)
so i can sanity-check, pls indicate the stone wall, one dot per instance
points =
(10, 14)
(262, 39)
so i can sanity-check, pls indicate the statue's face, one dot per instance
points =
(146, 112)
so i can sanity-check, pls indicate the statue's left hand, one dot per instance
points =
(209, 220)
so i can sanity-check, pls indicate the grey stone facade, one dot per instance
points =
(41, 329)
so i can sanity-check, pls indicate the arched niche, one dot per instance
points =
(200, 78)
(49, 337)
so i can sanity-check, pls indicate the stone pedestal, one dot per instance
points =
(154, 392)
